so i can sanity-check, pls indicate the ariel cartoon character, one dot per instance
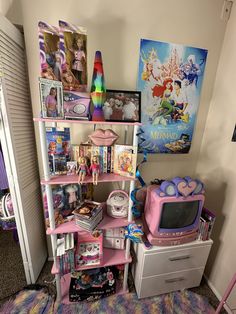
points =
(166, 106)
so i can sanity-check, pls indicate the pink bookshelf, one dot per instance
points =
(65, 286)
(106, 223)
(110, 257)
(85, 122)
(104, 177)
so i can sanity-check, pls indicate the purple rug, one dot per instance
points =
(39, 302)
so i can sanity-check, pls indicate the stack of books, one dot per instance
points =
(207, 221)
(88, 215)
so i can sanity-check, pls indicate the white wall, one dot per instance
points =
(115, 28)
(11, 9)
(217, 165)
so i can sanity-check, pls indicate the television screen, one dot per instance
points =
(179, 214)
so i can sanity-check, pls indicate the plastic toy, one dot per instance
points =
(83, 169)
(103, 137)
(7, 217)
(95, 169)
(118, 204)
(98, 90)
(134, 232)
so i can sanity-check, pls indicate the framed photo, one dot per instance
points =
(122, 106)
(51, 95)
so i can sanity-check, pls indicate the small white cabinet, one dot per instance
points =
(164, 269)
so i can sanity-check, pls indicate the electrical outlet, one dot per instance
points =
(226, 10)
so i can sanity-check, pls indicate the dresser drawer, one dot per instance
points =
(169, 282)
(175, 260)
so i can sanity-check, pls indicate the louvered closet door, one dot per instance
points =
(19, 149)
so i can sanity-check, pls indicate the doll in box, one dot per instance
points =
(95, 169)
(83, 169)
(79, 59)
(71, 196)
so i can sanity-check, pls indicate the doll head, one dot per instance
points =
(68, 78)
(78, 43)
(53, 91)
(66, 147)
(95, 160)
(82, 161)
(52, 147)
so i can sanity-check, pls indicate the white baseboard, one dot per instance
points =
(216, 293)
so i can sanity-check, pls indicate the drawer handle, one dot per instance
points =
(174, 279)
(177, 258)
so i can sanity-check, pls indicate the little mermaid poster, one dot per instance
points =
(170, 78)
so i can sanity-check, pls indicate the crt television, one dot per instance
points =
(172, 212)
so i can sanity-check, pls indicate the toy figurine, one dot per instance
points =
(95, 169)
(134, 232)
(83, 169)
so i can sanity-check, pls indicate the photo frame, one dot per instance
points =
(122, 106)
(51, 96)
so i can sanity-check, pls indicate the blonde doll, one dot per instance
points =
(95, 169)
(83, 169)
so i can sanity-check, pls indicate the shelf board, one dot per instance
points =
(106, 223)
(109, 222)
(85, 121)
(104, 177)
(110, 258)
(65, 285)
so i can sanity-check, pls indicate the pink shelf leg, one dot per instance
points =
(226, 294)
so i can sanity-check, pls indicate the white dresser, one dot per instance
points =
(164, 269)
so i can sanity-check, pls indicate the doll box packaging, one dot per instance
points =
(73, 48)
(49, 45)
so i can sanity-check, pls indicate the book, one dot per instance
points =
(206, 224)
(125, 160)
